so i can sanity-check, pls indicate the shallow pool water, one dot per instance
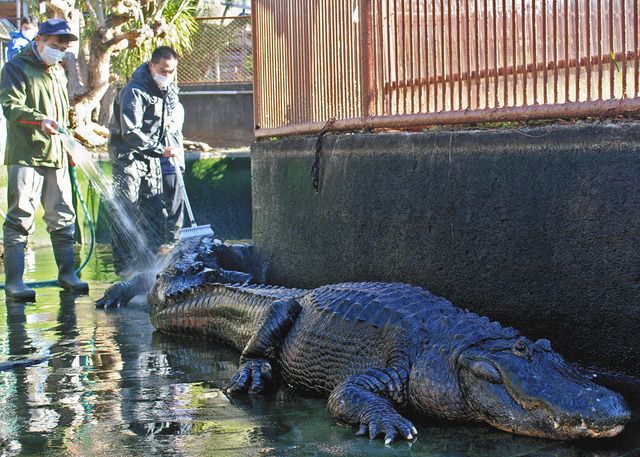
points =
(112, 387)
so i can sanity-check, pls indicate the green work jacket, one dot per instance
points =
(31, 91)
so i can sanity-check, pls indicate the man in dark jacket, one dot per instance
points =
(33, 95)
(138, 138)
(20, 39)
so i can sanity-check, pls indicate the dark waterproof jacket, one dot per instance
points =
(141, 111)
(31, 91)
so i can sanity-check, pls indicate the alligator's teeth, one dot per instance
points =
(556, 425)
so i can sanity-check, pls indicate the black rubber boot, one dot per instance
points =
(13, 270)
(62, 242)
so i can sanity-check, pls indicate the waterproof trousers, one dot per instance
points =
(137, 214)
(174, 207)
(26, 187)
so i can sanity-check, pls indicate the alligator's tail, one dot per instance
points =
(227, 313)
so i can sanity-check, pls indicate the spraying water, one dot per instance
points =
(130, 226)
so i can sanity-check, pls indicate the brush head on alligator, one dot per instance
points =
(378, 351)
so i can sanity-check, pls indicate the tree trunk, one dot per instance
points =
(85, 103)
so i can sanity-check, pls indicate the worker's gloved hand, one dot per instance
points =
(49, 126)
(170, 151)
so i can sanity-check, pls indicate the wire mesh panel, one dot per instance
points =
(413, 63)
(221, 52)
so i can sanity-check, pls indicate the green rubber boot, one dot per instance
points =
(13, 270)
(62, 242)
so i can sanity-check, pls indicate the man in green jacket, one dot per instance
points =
(34, 98)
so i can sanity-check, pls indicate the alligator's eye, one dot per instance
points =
(486, 371)
(521, 348)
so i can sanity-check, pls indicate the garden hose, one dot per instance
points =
(92, 235)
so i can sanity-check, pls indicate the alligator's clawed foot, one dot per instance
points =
(114, 297)
(252, 376)
(392, 425)
(108, 301)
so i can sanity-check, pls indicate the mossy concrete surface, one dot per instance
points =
(535, 227)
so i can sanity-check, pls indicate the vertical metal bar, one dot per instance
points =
(443, 59)
(403, 61)
(319, 94)
(514, 49)
(587, 15)
(486, 54)
(389, 96)
(525, 70)
(425, 8)
(623, 39)
(291, 48)
(355, 39)
(600, 73)
(397, 54)
(477, 53)
(458, 4)
(577, 45)
(534, 51)
(379, 46)
(450, 55)
(611, 66)
(419, 52)
(336, 110)
(495, 55)
(342, 50)
(505, 72)
(637, 46)
(366, 50)
(566, 51)
(435, 56)
(555, 51)
(545, 73)
(468, 51)
(410, 60)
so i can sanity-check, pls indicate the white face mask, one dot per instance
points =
(29, 34)
(162, 81)
(51, 56)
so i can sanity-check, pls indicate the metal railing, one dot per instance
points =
(415, 63)
(221, 52)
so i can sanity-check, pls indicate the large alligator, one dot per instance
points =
(376, 350)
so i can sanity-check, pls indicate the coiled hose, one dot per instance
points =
(92, 235)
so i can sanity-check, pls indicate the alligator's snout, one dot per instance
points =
(597, 413)
(533, 391)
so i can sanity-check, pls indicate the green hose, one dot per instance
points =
(92, 235)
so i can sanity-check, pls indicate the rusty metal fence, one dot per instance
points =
(221, 52)
(414, 63)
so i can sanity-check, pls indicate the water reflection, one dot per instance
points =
(111, 386)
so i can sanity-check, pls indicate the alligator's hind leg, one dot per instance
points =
(366, 400)
(261, 350)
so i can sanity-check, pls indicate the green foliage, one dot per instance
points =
(181, 26)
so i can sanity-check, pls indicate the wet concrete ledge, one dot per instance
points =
(535, 227)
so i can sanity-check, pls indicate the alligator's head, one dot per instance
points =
(527, 388)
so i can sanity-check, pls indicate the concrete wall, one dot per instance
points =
(537, 228)
(218, 119)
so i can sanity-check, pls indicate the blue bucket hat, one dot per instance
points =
(56, 27)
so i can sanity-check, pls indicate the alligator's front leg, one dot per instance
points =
(260, 352)
(122, 292)
(366, 400)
